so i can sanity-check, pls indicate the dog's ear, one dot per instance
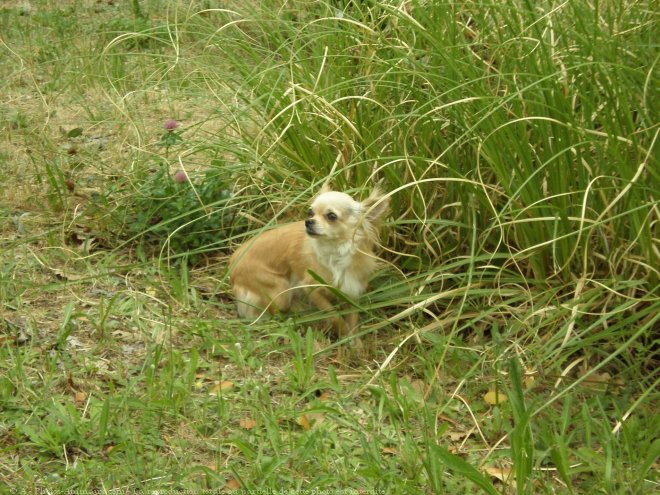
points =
(326, 187)
(376, 205)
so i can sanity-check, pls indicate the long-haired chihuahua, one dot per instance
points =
(336, 244)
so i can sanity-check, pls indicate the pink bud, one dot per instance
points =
(180, 176)
(170, 124)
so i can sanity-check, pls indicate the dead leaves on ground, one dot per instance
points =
(494, 397)
(505, 475)
(247, 423)
(220, 386)
(79, 398)
(310, 419)
(232, 484)
(600, 382)
(306, 420)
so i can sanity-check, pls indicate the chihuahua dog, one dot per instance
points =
(335, 244)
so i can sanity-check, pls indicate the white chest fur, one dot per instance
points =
(339, 259)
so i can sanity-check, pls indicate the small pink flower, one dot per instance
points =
(180, 176)
(170, 124)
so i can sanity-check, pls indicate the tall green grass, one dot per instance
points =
(524, 113)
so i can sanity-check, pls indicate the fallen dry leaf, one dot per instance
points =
(455, 435)
(316, 417)
(448, 419)
(309, 419)
(220, 386)
(63, 275)
(503, 474)
(390, 450)
(303, 421)
(232, 484)
(80, 397)
(247, 423)
(419, 386)
(596, 381)
(493, 397)
(324, 396)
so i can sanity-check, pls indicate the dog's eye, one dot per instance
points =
(310, 213)
(331, 216)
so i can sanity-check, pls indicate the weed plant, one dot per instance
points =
(189, 214)
(510, 341)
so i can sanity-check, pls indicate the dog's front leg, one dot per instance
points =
(352, 320)
(321, 299)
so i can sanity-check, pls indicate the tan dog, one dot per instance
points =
(336, 242)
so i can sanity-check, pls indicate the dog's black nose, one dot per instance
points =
(310, 225)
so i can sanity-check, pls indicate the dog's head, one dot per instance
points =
(336, 217)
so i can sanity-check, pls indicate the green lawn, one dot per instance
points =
(510, 338)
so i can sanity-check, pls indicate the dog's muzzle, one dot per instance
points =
(309, 227)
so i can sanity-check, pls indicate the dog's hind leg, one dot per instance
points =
(248, 304)
(275, 299)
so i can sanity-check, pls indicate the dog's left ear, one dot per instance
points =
(376, 205)
(326, 187)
